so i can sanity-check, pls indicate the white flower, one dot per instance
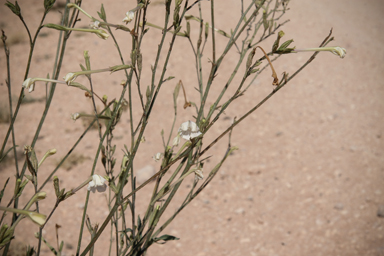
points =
(97, 183)
(69, 78)
(189, 130)
(29, 84)
(157, 157)
(129, 16)
(95, 25)
(75, 116)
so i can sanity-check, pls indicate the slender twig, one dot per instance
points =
(213, 32)
(265, 99)
(8, 82)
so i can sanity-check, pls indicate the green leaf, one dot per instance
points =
(15, 8)
(82, 67)
(138, 223)
(176, 93)
(285, 45)
(48, 4)
(168, 78)
(102, 14)
(164, 238)
(61, 246)
(87, 62)
(32, 162)
(30, 251)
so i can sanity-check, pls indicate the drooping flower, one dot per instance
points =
(189, 130)
(129, 16)
(340, 51)
(337, 50)
(199, 173)
(37, 218)
(97, 183)
(75, 116)
(29, 84)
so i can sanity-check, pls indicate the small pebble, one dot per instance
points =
(338, 206)
(380, 211)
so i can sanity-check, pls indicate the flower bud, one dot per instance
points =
(56, 186)
(75, 116)
(157, 157)
(37, 218)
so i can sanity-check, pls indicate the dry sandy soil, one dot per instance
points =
(308, 178)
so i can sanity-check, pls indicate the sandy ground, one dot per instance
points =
(308, 176)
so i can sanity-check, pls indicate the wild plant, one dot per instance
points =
(184, 148)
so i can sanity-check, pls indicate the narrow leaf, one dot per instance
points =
(162, 239)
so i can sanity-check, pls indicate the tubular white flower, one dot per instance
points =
(29, 84)
(97, 183)
(337, 50)
(129, 16)
(189, 130)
